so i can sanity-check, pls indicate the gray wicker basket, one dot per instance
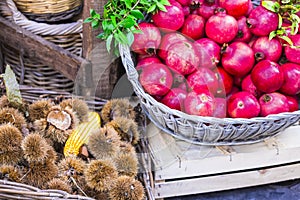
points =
(205, 130)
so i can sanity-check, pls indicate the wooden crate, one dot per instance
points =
(181, 168)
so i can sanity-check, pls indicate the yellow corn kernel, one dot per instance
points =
(80, 135)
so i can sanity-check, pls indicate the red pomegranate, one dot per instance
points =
(225, 81)
(291, 85)
(235, 8)
(156, 79)
(147, 41)
(203, 79)
(293, 52)
(167, 40)
(207, 10)
(171, 20)
(244, 34)
(174, 98)
(293, 103)
(273, 103)
(265, 49)
(247, 85)
(243, 105)
(237, 58)
(182, 58)
(193, 26)
(262, 21)
(221, 28)
(146, 61)
(267, 76)
(201, 104)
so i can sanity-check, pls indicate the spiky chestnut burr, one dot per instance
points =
(100, 175)
(117, 108)
(5, 103)
(10, 148)
(38, 174)
(59, 184)
(10, 173)
(39, 109)
(127, 129)
(126, 160)
(104, 143)
(36, 149)
(58, 125)
(12, 116)
(127, 188)
(79, 106)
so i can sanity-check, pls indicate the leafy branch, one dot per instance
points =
(287, 11)
(119, 21)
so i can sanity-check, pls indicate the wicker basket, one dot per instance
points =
(49, 10)
(205, 130)
(31, 71)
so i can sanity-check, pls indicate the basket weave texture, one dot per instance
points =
(205, 130)
(49, 10)
(31, 71)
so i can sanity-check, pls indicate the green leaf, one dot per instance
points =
(12, 87)
(272, 35)
(279, 21)
(287, 39)
(271, 5)
(113, 20)
(108, 42)
(95, 24)
(161, 7)
(92, 12)
(137, 14)
(122, 37)
(128, 4)
(165, 2)
(88, 20)
(151, 9)
(136, 31)
(128, 22)
(101, 36)
(130, 38)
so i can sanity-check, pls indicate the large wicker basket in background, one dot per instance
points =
(49, 10)
(31, 71)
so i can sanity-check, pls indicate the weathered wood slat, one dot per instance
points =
(47, 52)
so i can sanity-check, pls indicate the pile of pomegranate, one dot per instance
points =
(215, 58)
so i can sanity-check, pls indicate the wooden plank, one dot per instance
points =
(36, 47)
(87, 42)
(227, 181)
(175, 159)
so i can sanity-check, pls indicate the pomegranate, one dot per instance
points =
(221, 28)
(292, 53)
(147, 41)
(207, 10)
(243, 105)
(247, 85)
(167, 40)
(267, 76)
(203, 79)
(262, 22)
(209, 52)
(235, 8)
(237, 81)
(237, 58)
(293, 103)
(234, 90)
(202, 104)
(156, 79)
(176, 3)
(225, 81)
(146, 61)
(221, 109)
(193, 26)
(244, 34)
(171, 20)
(174, 98)
(250, 7)
(183, 86)
(273, 103)
(265, 49)
(291, 85)
(178, 79)
(186, 10)
(182, 57)
(184, 2)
